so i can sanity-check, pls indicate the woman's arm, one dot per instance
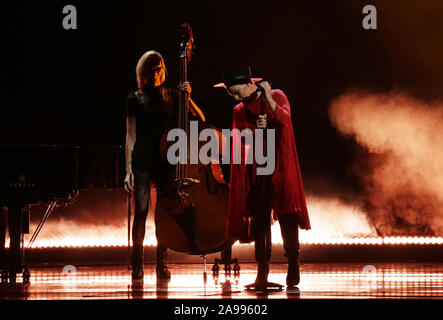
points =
(129, 148)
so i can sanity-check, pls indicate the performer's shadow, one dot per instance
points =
(137, 289)
(162, 288)
(226, 288)
(14, 290)
(293, 293)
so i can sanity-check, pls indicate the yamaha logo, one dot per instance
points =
(21, 182)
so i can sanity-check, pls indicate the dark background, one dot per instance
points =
(70, 86)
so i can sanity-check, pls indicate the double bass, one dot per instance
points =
(192, 204)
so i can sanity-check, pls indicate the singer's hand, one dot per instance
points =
(266, 87)
(261, 121)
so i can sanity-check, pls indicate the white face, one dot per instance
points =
(241, 91)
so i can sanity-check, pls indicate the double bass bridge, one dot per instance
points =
(186, 182)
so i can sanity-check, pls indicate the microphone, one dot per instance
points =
(262, 90)
(262, 101)
(259, 87)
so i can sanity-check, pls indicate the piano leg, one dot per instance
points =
(16, 256)
(3, 272)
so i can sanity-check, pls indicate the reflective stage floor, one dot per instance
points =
(318, 281)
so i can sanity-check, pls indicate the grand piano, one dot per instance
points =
(52, 174)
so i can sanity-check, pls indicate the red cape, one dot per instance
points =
(288, 195)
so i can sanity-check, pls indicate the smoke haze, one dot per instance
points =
(402, 171)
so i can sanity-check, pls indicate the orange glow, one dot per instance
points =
(333, 223)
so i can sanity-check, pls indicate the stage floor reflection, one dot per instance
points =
(318, 281)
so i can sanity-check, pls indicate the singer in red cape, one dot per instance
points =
(288, 195)
(285, 194)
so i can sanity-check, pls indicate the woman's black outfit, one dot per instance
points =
(155, 110)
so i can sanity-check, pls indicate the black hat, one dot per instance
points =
(236, 76)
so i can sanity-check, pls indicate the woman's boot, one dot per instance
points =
(137, 262)
(162, 269)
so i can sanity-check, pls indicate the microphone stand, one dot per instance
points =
(262, 225)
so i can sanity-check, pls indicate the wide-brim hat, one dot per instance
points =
(237, 75)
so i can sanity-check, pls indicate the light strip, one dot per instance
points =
(88, 242)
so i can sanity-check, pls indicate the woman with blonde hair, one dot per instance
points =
(150, 111)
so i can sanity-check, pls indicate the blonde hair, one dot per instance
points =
(145, 63)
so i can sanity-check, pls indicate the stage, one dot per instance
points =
(318, 281)
(353, 99)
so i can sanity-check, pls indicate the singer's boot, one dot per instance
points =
(137, 262)
(289, 231)
(293, 277)
(162, 269)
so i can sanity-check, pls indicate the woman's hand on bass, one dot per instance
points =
(185, 87)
